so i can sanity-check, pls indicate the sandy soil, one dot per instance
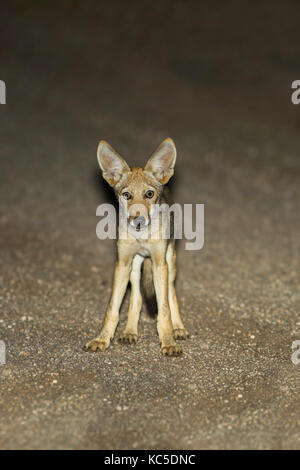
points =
(218, 80)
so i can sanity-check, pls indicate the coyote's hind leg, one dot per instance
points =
(178, 328)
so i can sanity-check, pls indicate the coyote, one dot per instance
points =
(138, 191)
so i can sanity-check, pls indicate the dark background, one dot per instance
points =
(216, 77)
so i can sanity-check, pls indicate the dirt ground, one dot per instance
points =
(217, 79)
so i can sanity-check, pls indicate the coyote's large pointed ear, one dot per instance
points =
(162, 161)
(111, 163)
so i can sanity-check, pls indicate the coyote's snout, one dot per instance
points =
(139, 191)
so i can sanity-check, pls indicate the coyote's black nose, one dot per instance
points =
(139, 222)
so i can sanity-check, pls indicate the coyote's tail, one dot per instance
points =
(148, 287)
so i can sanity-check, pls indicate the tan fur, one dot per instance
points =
(133, 250)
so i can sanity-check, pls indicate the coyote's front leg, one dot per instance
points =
(121, 278)
(130, 333)
(164, 322)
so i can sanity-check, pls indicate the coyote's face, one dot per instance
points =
(138, 193)
(138, 189)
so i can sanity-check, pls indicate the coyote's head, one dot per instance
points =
(138, 189)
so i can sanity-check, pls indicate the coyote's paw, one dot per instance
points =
(173, 350)
(128, 338)
(180, 333)
(96, 344)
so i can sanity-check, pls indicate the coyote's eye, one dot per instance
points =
(127, 195)
(149, 194)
